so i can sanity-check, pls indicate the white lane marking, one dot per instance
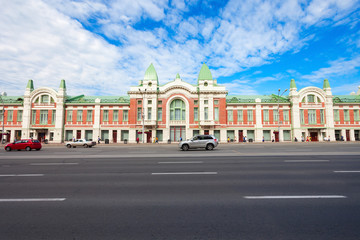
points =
(185, 173)
(179, 162)
(52, 164)
(296, 161)
(33, 200)
(296, 197)
(21, 175)
(346, 171)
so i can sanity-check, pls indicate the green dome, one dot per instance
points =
(205, 73)
(292, 83)
(150, 74)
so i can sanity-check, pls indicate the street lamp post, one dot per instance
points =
(278, 110)
(143, 113)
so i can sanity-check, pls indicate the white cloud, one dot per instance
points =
(340, 67)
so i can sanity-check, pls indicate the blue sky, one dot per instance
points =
(252, 47)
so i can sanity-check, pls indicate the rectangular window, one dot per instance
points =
(275, 115)
(196, 114)
(230, 115)
(79, 115)
(115, 115)
(302, 120)
(149, 113)
(43, 117)
(69, 115)
(206, 113)
(33, 117)
(139, 102)
(286, 115)
(159, 117)
(89, 115)
(266, 115)
(125, 115)
(240, 116)
(149, 102)
(196, 102)
(356, 115)
(216, 112)
(139, 114)
(105, 115)
(312, 116)
(206, 102)
(336, 115)
(216, 102)
(311, 98)
(10, 115)
(322, 118)
(45, 98)
(160, 102)
(1, 116)
(19, 115)
(250, 115)
(53, 117)
(346, 115)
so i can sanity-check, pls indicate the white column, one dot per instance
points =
(259, 125)
(96, 126)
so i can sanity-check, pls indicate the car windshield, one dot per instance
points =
(35, 141)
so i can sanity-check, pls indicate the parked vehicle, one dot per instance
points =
(80, 143)
(27, 144)
(209, 142)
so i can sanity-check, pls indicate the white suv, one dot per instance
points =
(209, 142)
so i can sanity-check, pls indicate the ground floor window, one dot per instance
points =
(357, 135)
(267, 135)
(139, 135)
(196, 132)
(104, 135)
(337, 135)
(51, 136)
(68, 135)
(159, 135)
(230, 134)
(217, 134)
(177, 132)
(250, 135)
(89, 135)
(124, 135)
(287, 135)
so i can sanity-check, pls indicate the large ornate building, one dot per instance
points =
(178, 109)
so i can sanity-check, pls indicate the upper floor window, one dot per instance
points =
(216, 102)
(250, 116)
(177, 110)
(311, 98)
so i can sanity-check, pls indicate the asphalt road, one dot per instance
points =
(158, 192)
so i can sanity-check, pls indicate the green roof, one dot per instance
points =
(326, 84)
(151, 74)
(13, 99)
(30, 85)
(251, 98)
(346, 98)
(63, 84)
(205, 73)
(292, 83)
(91, 99)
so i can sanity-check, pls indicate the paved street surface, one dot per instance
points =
(237, 191)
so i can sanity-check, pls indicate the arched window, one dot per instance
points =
(177, 110)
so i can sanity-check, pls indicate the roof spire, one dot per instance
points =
(292, 84)
(204, 73)
(326, 84)
(150, 74)
(63, 84)
(177, 76)
(30, 85)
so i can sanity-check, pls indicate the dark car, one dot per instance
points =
(27, 144)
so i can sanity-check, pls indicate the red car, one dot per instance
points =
(27, 144)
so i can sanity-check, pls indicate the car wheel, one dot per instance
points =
(86, 146)
(28, 148)
(68, 146)
(209, 147)
(8, 149)
(185, 147)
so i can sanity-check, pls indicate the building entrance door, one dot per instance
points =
(148, 136)
(276, 136)
(78, 134)
(115, 136)
(241, 135)
(314, 136)
(347, 135)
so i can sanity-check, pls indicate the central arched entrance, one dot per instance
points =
(177, 120)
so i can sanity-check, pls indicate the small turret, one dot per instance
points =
(62, 84)
(293, 85)
(326, 84)
(30, 85)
